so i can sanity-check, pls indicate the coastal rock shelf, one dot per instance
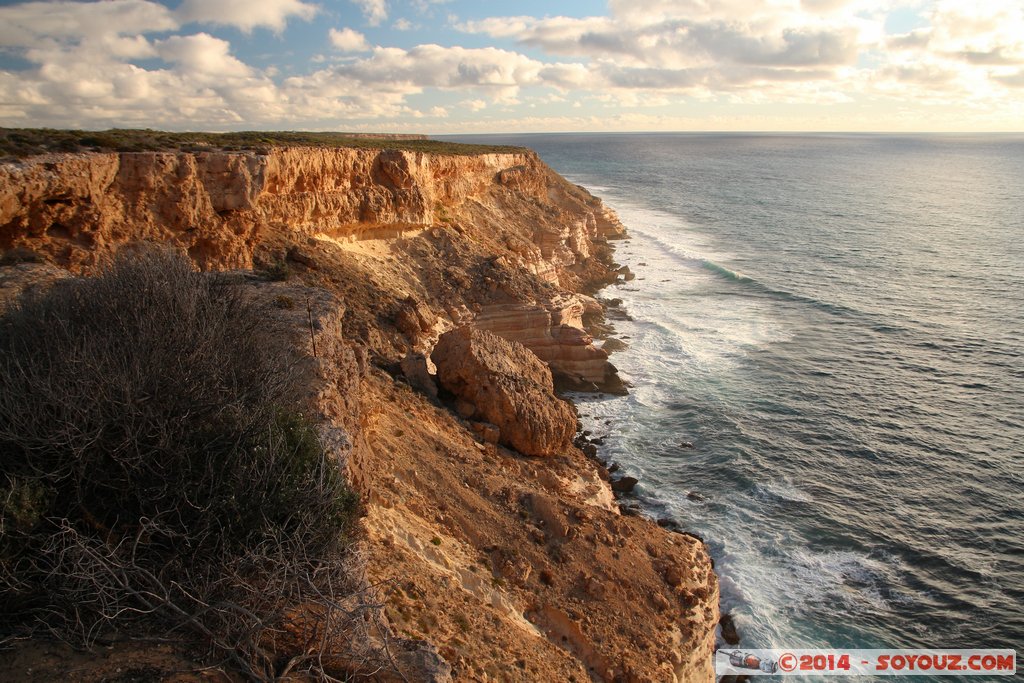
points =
(439, 298)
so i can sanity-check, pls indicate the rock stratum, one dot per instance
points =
(439, 299)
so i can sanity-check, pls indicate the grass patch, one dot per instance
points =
(157, 474)
(25, 142)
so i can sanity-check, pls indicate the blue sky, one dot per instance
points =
(439, 66)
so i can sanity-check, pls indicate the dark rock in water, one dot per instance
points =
(614, 302)
(613, 468)
(693, 535)
(612, 345)
(586, 432)
(667, 523)
(630, 510)
(625, 485)
(599, 440)
(686, 444)
(612, 383)
(729, 633)
(694, 496)
(590, 450)
(564, 383)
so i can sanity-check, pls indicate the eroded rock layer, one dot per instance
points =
(508, 565)
(234, 210)
(506, 385)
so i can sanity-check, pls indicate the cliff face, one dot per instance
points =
(228, 210)
(219, 205)
(514, 568)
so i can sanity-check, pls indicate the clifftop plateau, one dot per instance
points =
(508, 566)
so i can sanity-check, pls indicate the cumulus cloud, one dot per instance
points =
(138, 62)
(443, 67)
(685, 45)
(246, 14)
(787, 47)
(1013, 80)
(375, 11)
(202, 56)
(26, 24)
(348, 40)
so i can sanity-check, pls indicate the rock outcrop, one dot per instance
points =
(245, 209)
(556, 334)
(399, 264)
(503, 383)
(77, 208)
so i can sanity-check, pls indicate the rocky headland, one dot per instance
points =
(439, 299)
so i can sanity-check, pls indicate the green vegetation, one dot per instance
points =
(25, 142)
(156, 472)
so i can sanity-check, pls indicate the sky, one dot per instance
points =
(463, 66)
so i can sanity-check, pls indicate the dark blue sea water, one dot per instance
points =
(836, 323)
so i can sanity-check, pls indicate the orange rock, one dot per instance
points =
(508, 386)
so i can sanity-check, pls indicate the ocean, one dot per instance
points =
(826, 348)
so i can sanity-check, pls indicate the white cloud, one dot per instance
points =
(246, 14)
(444, 67)
(348, 40)
(789, 49)
(402, 24)
(375, 11)
(202, 56)
(87, 69)
(26, 24)
(423, 6)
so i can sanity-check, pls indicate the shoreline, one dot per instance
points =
(499, 564)
(629, 503)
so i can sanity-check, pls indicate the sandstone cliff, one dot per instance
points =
(511, 567)
(490, 217)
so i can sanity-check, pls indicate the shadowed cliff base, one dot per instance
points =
(500, 565)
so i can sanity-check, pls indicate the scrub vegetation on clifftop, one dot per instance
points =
(156, 471)
(25, 142)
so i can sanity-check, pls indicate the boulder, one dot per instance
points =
(507, 385)
(414, 367)
(624, 485)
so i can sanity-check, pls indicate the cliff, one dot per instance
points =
(511, 567)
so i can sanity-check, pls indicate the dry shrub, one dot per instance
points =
(155, 470)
